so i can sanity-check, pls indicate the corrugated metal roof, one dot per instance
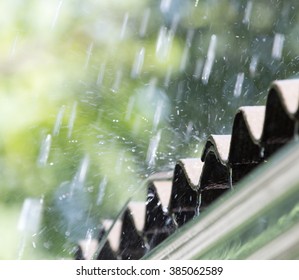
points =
(177, 197)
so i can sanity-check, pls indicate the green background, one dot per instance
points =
(97, 95)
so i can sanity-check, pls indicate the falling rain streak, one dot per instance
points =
(157, 115)
(88, 55)
(278, 46)
(119, 163)
(144, 23)
(165, 5)
(164, 66)
(102, 190)
(29, 222)
(253, 65)
(89, 244)
(14, 46)
(185, 56)
(124, 26)
(188, 131)
(209, 60)
(239, 85)
(72, 119)
(152, 149)
(117, 80)
(130, 108)
(57, 12)
(164, 43)
(167, 76)
(30, 217)
(58, 121)
(45, 150)
(101, 74)
(198, 69)
(80, 177)
(247, 13)
(138, 63)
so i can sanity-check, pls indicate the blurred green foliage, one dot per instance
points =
(97, 95)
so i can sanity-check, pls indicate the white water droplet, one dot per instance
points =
(150, 197)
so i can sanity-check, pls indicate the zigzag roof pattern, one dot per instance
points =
(174, 198)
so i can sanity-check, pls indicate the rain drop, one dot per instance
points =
(278, 46)
(209, 60)
(164, 43)
(101, 74)
(124, 26)
(157, 114)
(165, 5)
(117, 81)
(14, 46)
(88, 55)
(58, 121)
(152, 149)
(102, 189)
(138, 63)
(253, 65)
(56, 15)
(239, 85)
(198, 69)
(72, 120)
(130, 108)
(247, 13)
(45, 150)
(144, 23)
